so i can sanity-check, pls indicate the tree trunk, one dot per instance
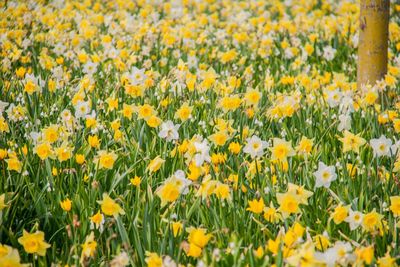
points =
(373, 41)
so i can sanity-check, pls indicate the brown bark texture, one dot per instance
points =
(373, 41)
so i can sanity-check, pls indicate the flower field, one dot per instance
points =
(195, 133)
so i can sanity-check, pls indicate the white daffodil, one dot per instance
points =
(381, 146)
(255, 146)
(169, 131)
(354, 219)
(202, 152)
(324, 175)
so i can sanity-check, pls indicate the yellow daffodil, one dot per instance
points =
(34, 243)
(109, 207)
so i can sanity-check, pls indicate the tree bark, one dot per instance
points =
(373, 41)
